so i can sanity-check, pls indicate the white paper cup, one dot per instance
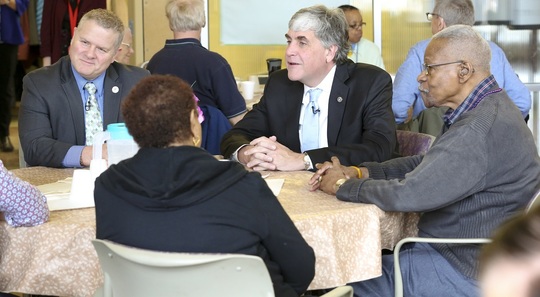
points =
(247, 88)
(255, 80)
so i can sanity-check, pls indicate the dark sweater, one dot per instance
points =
(481, 171)
(182, 199)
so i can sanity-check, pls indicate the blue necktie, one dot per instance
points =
(310, 125)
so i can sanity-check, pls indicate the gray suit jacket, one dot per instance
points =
(361, 124)
(51, 115)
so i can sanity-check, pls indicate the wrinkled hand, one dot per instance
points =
(88, 153)
(327, 174)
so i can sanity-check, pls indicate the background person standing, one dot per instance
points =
(11, 36)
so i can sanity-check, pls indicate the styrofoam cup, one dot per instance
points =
(248, 88)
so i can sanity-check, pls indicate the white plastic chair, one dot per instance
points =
(535, 201)
(398, 280)
(134, 272)
(344, 291)
(137, 272)
(144, 64)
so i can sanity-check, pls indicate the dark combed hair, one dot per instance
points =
(157, 111)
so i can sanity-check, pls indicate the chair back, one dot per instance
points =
(535, 201)
(343, 291)
(413, 143)
(137, 272)
(144, 64)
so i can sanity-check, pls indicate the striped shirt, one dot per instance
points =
(475, 97)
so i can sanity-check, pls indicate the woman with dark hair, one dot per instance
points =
(174, 196)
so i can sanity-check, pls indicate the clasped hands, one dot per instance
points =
(329, 172)
(266, 153)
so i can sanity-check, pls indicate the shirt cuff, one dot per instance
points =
(73, 157)
(234, 156)
(308, 164)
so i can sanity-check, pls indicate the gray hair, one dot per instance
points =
(467, 45)
(455, 12)
(106, 19)
(185, 15)
(330, 27)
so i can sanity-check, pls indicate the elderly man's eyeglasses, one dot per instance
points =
(428, 67)
(357, 26)
(126, 44)
(430, 15)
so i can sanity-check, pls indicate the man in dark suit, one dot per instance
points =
(353, 110)
(52, 118)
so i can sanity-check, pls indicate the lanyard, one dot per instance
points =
(73, 16)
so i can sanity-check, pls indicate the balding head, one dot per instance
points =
(466, 44)
(455, 62)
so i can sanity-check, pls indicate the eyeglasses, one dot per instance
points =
(430, 15)
(357, 26)
(427, 67)
(126, 44)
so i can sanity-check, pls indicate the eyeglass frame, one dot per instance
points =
(429, 16)
(426, 67)
(357, 26)
(126, 44)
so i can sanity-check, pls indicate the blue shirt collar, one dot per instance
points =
(81, 81)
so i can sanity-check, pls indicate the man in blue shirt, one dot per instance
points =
(447, 13)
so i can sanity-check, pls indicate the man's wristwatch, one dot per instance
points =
(307, 162)
(339, 183)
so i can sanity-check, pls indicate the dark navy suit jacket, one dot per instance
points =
(361, 125)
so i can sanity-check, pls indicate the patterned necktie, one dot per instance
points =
(93, 122)
(39, 16)
(310, 125)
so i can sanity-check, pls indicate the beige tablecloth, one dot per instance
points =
(57, 258)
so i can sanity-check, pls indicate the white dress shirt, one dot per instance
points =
(324, 98)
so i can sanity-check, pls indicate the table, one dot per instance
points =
(57, 258)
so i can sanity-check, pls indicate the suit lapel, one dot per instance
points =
(73, 99)
(337, 102)
(295, 95)
(112, 96)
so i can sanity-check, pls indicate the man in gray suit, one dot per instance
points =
(52, 113)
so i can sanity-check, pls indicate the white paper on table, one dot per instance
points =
(78, 191)
(275, 184)
(70, 193)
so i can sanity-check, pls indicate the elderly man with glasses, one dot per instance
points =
(481, 170)
(125, 51)
(405, 93)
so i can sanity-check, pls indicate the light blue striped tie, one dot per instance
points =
(310, 125)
